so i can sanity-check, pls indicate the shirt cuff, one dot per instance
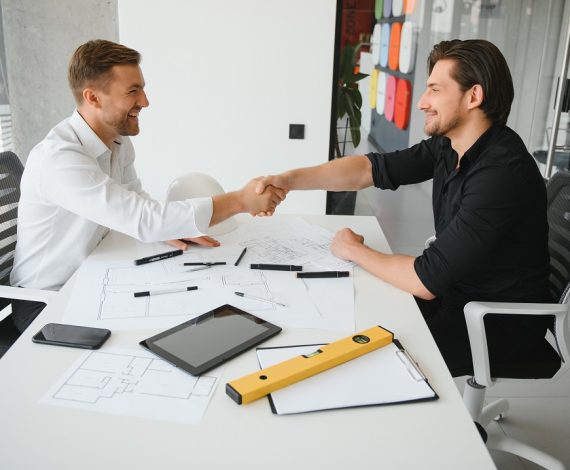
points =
(203, 211)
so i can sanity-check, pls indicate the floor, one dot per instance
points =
(539, 414)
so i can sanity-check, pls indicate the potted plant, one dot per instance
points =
(349, 99)
(349, 102)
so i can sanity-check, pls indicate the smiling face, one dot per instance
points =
(121, 100)
(444, 103)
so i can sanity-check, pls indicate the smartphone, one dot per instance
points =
(73, 336)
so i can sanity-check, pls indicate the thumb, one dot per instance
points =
(260, 187)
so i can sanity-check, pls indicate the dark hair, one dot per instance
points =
(479, 62)
(91, 63)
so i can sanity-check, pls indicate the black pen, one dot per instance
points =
(148, 293)
(213, 263)
(316, 274)
(277, 267)
(160, 256)
(240, 256)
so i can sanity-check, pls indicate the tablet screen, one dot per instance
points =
(210, 339)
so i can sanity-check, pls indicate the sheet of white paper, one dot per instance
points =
(289, 241)
(133, 383)
(379, 377)
(103, 296)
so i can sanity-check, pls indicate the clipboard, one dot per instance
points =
(294, 369)
(386, 376)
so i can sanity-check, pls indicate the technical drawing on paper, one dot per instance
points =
(128, 382)
(119, 284)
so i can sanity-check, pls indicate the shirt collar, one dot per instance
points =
(92, 144)
(479, 145)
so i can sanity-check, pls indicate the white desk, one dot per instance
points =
(432, 435)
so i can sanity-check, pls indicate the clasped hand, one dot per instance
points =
(269, 183)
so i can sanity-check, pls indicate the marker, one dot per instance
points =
(261, 299)
(277, 267)
(214, 263)
(240, 256)
(161, 256)
(148, 293)
(317, 274)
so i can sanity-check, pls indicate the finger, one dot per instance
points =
(178, 244)
(205, 241)
(280, 193)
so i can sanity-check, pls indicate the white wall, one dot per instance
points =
(224, 80)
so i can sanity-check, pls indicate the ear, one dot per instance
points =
(91, 97)
(475, 96)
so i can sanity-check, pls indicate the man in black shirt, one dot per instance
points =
(489, 205)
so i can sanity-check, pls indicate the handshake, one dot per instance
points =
(263, 194)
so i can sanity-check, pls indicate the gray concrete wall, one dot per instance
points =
(40, 36)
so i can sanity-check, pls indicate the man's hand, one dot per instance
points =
(345, 242)
(263, 203)
(182, 244)
(276, 181)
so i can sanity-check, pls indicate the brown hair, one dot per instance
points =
(91, 64)
(479, 62)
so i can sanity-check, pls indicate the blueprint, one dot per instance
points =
(133, 383)
(103, 293)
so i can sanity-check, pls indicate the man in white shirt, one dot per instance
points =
(80, 181)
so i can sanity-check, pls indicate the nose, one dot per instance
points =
(422, 103)
(143, 101)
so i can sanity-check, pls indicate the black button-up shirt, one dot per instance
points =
(489, 213)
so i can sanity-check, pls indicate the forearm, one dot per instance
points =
(397, 270)
(343, 174)
(226, 205)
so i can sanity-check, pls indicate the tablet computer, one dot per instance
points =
(207, 341)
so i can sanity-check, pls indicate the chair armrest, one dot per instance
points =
(18, 293)
(474, 313)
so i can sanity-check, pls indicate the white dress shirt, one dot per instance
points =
(73, 190)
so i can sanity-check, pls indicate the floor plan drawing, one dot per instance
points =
(104, 290)
(134, 383)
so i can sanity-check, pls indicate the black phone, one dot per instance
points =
(71, 335)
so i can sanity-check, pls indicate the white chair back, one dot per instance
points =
(193, 185)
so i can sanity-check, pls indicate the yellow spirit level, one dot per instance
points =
(253, 386)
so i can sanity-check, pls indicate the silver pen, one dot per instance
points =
(199, 268)
(261, 299)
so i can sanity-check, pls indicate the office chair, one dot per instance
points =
(194, 185)
(10, 175)
(550, 362)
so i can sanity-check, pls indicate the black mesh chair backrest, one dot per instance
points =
(558, 193)
(11, 169)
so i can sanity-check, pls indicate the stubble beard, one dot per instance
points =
(441, 129)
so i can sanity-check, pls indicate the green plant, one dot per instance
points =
(349, 99)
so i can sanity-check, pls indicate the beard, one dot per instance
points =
(437, 127)
(123, 125)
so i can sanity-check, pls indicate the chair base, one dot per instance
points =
(512, 446)
(474, 398)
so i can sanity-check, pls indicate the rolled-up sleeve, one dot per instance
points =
(489, 205)
(410, 166)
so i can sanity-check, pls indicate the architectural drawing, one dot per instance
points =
(128, 382)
